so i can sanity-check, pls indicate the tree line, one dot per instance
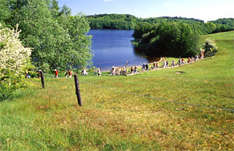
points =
(112, 21)
(126, 22)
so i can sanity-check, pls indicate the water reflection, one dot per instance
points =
(150, 59)
(114, 48)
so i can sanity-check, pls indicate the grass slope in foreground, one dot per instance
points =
(158, 110)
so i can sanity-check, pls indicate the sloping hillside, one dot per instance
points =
(157, 110)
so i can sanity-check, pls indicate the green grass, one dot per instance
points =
(156, 110)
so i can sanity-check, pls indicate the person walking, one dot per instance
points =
(68, 74)
(56, 73)
(172, 63)
(99, 73)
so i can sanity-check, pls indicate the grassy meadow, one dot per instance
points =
(185, 108)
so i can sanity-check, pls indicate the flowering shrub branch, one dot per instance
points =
(13, 59)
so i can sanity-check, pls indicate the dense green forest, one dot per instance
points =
(126, 22)
(57, 38)
(171, 39)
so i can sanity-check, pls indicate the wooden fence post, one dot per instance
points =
(42, 80)
(77, 90)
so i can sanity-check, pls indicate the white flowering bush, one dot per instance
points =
(13, 59)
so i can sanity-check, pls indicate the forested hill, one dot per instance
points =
(171, 19)
(126, 22)
(223, 24)
(112, 21)
(225, 21)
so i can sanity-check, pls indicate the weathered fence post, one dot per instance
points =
(77, 90)
(42, 79)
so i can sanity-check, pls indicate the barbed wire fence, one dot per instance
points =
(159, 99)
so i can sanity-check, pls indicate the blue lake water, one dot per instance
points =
(114, 48)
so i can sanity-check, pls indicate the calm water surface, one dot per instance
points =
(114, 48)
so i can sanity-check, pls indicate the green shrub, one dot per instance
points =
(210, 48)
(9, 83)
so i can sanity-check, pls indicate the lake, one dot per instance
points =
(114, 48)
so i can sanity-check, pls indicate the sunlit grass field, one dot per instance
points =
(155, 110)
